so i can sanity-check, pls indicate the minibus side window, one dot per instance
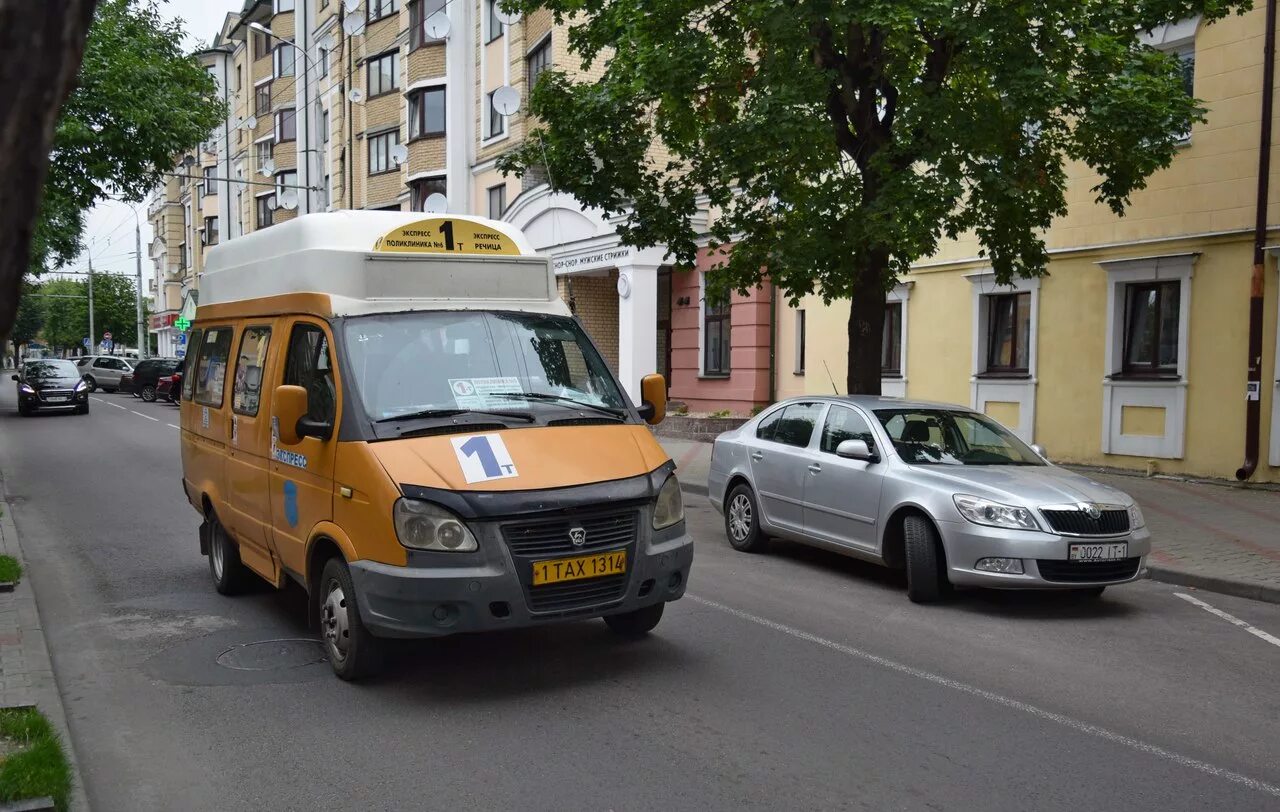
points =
(211, 367)
(246, 392)
(308, 366)
(189, 363)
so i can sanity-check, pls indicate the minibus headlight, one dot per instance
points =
(426, 526)
(668, 508)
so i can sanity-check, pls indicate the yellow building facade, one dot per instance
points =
(1132, 350)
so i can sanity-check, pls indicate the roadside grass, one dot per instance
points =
(32, 761)
(10, 569)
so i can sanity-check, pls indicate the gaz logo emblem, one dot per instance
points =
(578, 536)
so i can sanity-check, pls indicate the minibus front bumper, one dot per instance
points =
(438, 594)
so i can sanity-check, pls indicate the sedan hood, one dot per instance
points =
(40, 384)
(1027, 485)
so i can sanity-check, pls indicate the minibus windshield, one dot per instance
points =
(424, 362)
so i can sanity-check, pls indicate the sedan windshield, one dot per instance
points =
(947, 437)
(45, 370)
(437, 362)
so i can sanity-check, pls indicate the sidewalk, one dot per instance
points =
(26, 672)
(1215, 537)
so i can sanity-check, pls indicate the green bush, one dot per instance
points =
(10, 569)
(38, 767)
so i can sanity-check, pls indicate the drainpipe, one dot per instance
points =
(773, 342)
(1253, 403)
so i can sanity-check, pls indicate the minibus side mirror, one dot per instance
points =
(310, 427)
(288, 408)
(653, 397)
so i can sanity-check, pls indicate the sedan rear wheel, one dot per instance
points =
(93, 385)
(148, 394)
(742, 521)
(926, 565)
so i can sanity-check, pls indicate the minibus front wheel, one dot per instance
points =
(637, 623)
(353, 651)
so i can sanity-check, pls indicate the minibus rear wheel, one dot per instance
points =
(353, 651)
(637, 623)
(230, 575)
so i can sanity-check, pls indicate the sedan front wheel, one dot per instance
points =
(926, 565)
(742, 521)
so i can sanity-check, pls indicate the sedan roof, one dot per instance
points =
(880, 402)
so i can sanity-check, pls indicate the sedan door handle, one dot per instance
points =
(757, 455)
(815, 468)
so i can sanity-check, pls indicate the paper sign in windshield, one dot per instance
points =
(483, 393)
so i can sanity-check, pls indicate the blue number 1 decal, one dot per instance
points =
(479, 447)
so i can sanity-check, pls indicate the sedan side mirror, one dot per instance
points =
(1039, 449)
(856, 450)
(16, 378)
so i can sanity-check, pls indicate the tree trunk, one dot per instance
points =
(41, 45)
(866, 325)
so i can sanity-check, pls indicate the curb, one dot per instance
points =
(1209, 583)
(35, 651)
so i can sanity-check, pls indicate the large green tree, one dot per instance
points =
(29, 320)
(114, 310)
(841, 140)
(139, 100)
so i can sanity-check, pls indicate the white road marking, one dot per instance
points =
(109, 403)
(100, 400)
(1213, 610)
(170, 425)
(1008, 702)
(149, 417)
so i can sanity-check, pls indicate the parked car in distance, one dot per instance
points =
(944, 492)
(170, 387)
(103, 371)
(146, 377)
(52, 383)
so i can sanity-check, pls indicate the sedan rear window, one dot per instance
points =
(952, 437)
(792, 425)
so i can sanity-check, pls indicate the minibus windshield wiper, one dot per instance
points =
(428, 413)
(561, 399)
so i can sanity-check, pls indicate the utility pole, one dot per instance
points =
(93, 342)
(143, 341)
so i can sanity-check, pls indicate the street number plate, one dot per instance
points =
(1098, 552)
(576, 569)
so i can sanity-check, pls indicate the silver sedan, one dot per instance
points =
(942, 491)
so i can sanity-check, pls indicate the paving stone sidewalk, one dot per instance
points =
(26, 672)
(1215, 536)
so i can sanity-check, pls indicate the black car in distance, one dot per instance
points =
(147, 374)
(51, 384)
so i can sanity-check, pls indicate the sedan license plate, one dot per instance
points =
(1097, 552)
(575, 569)
(58, 399)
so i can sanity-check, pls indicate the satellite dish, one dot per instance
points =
(356, 95)
(507, 17)
(288, 199)
(399, 154)
(437, 25)
(327, 42)
(435, 203)
(251, 123)
(268, 167)
(351, 5)
(353, 25)
(506, 100)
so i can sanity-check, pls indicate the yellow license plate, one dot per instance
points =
(576, 569)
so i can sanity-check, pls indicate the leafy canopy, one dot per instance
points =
(842, 139)
(139, 102)
(114, 310)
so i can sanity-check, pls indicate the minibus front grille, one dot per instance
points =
(571, 595)
(553, 536)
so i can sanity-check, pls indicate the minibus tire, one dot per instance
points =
(635, 624)
(230, 575)
(363, 653)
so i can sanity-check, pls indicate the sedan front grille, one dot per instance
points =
(1111, 522)
(551, 536)
(61, 394)
(1084, 572)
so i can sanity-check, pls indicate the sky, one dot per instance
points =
(109, 232)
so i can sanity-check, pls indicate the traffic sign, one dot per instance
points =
(87, 342)
(106, 336)
(182, 339)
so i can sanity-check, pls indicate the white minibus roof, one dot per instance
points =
(374, 261)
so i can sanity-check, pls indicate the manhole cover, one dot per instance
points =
(272, 655)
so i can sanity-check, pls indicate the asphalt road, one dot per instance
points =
(797, 680)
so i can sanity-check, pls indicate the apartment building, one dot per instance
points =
(1132, 351)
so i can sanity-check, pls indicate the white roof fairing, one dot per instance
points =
(334, 253)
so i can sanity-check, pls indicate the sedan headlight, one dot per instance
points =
(668, 508)
(26, 389)
(994, 514)
(1136, 519)
(427, 526)
(82, 385)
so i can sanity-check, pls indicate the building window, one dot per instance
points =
(326, 192)
(539, 59)
(1008, 332)
(284, 5)
(182, 256)
(239, 77)
(322, 63)
(263, 154)
(382, 8)
(423, 188)
(266, 207)
(383, 73)
(286, 180)
(495, 26)
(1187, 57)
(497, 121)
(419, 12)
(286, 126)
(284, 59)
(261, 45)
(1151, 328)
(715, 334)
(426, 112)
(891, 341)
(800, 340)
(211, 231)
(380, 152)
(210, 183)
(262, 99)
(497, 201)
(324, 125)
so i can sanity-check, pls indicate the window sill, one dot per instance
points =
(714, 376)
(426, 44)
(384, 172)
(494, 39)
(799, 373)
(1132, 378)
(887, 375)
(383, 94)
(387, 16)
(1003, 376)
(428, 137)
